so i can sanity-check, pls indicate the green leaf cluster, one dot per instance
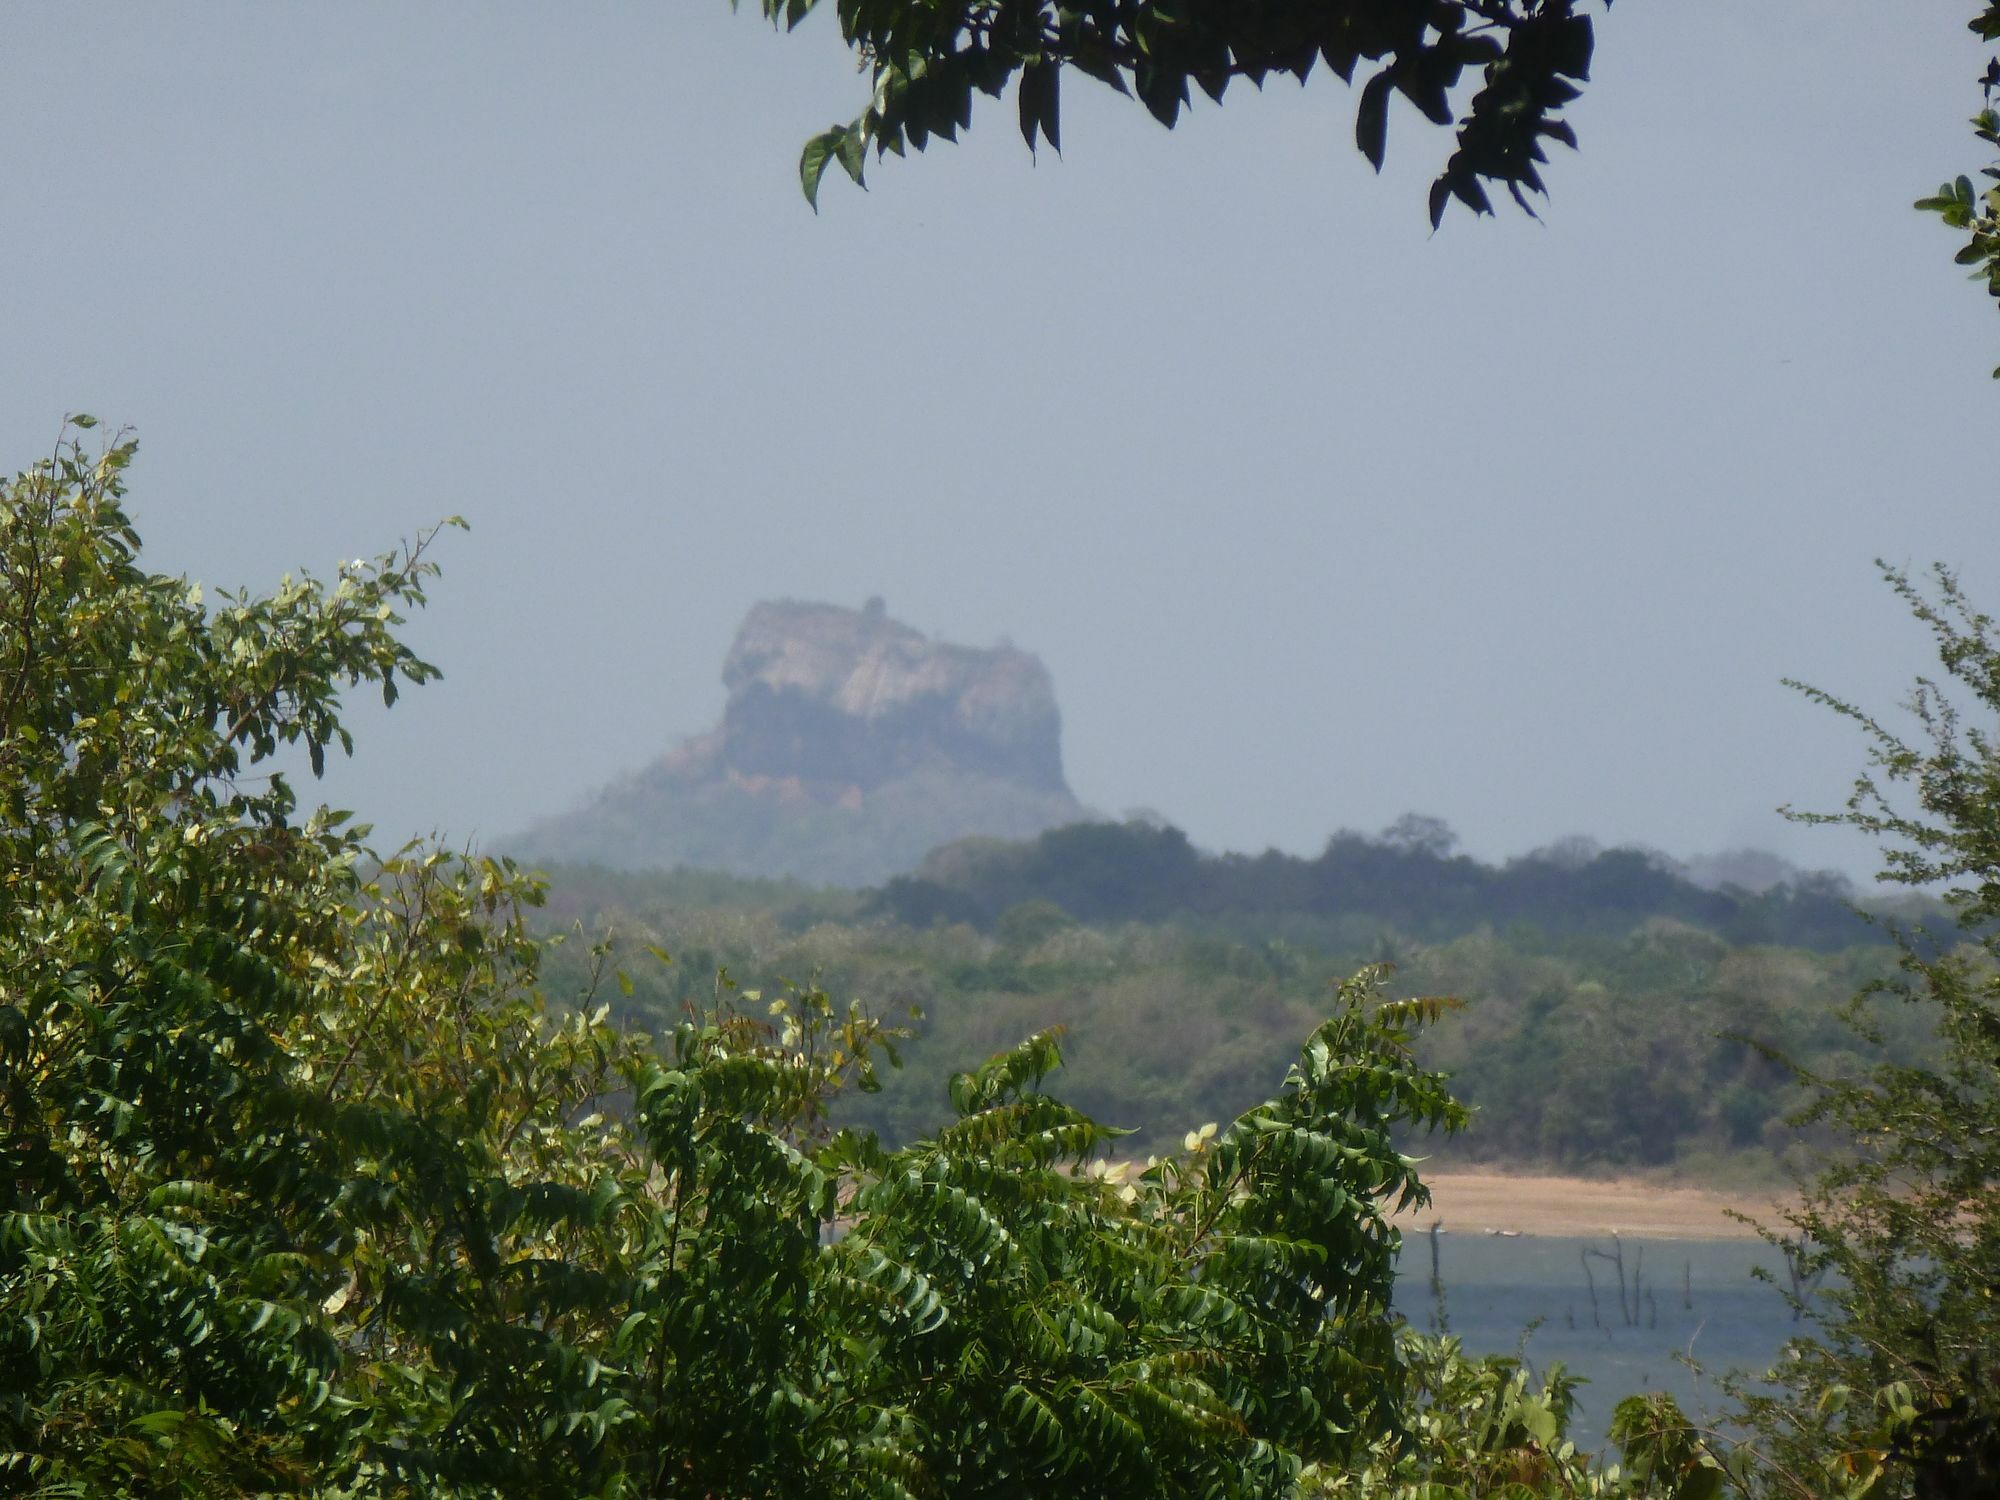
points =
(1481, 1427)
(926, 59)
(1959, 203)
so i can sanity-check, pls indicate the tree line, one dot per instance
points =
(1407, 878)
(1641, 1048)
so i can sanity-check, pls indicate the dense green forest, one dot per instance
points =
(1641, 1041)
(1406, 879)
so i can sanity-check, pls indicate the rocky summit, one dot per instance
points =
(851, 745)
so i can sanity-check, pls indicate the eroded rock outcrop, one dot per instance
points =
(851, 745)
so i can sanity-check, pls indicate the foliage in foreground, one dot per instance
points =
(1977, 213)
(1907, 1343)
(306, 1189)
(926, 58)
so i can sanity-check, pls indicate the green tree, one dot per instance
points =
(1896, 1384)
(307, 1189)
(1485, 1427)
(1956, 202)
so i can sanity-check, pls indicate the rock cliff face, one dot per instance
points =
(851, 745)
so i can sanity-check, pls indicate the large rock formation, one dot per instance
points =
(850, 747)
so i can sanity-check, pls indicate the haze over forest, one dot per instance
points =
(1156, 409)
(853, 750)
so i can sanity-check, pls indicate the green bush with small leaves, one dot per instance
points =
(307, 1189)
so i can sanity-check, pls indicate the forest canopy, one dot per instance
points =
(1406, 878)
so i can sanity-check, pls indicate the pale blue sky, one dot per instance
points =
(1315, 516)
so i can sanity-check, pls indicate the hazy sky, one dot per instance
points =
(1315, 516)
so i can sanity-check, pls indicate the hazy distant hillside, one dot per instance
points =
(851, 745)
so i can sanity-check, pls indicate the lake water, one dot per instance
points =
(1681, 1298)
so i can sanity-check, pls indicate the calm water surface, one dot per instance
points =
(1531, 1296)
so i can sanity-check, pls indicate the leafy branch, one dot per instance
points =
(926, 59)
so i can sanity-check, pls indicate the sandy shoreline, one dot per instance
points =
(1475, 1202)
